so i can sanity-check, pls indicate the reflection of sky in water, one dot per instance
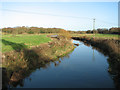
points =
(81, 69)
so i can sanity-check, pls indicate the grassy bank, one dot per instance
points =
(19, 64)
(19, 49)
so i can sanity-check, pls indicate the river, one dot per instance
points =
(85, 67)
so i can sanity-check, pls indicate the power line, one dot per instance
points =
(44, 14)
(27, 12)
(106, 22)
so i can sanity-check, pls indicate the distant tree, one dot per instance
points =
(103, 30)
(30, 32)
(37, 30)
(114, 30)
(94, 31)
(88, 31)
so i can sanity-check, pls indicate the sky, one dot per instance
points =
(67, 15)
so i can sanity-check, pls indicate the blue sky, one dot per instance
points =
(67, 15)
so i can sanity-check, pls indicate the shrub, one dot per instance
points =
(65, 34)
(30, 32)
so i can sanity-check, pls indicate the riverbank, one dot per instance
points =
(110, 48)
(19, 64)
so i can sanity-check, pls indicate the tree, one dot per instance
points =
(94, 31)
(114, 30)
(88, 31)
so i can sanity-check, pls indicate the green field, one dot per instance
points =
(104, 36)
(18, 42)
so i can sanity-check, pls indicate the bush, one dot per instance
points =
(65, 34)
(30, 32)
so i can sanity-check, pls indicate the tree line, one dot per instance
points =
(39, 30)
(99, 31)
(29, 30)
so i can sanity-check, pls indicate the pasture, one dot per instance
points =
(102, 36)
(10, 42)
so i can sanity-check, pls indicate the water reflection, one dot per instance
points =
(93, 56)
(114, 70)
(114, 65)
(12, 79)
(57, 63)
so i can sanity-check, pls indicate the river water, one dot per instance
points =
(85, 67)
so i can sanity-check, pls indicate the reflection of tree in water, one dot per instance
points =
(5, 79)
(58, 61)
(15, 84)
(93, 55)
(87, 44)
(16, 78)
(45, 66)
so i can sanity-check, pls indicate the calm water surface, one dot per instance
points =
(83, 68)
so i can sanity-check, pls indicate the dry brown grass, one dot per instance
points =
(65, 34)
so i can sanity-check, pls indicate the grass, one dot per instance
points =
(10, 42)
(106, 36)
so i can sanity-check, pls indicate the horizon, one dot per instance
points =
(58, 28)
